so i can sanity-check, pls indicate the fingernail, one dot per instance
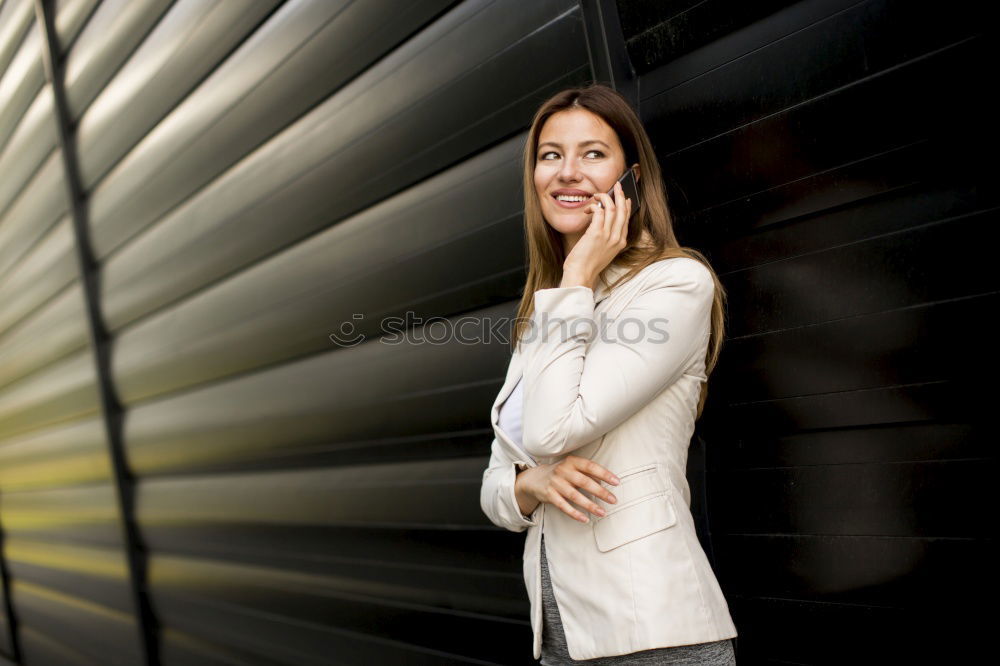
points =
(615, 479)
(601, 512)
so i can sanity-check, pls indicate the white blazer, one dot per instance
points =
(637, 578)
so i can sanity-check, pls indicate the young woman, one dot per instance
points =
(616, 333)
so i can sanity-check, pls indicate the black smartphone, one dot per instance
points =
(629, 188)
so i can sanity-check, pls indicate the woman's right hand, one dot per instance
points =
(558, 485)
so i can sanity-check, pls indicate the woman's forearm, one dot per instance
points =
(525, 502)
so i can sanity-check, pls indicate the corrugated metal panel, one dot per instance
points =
(399, 122)
(256, 172)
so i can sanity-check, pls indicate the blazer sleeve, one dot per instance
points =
(496, 496)
(573, 396)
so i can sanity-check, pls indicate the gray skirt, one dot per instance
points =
(555, 652)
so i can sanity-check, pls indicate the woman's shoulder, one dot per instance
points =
(684, 273)
(672, 270)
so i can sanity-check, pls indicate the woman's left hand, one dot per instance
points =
(606, 236)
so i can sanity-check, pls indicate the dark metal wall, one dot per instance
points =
(192, 471)
(824, 154)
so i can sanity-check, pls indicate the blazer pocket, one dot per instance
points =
(644, 506)
(635, 521)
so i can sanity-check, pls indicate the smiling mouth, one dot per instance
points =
(572, 202)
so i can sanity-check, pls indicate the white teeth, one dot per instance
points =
(566, 197)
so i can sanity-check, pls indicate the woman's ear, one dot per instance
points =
(635, 167)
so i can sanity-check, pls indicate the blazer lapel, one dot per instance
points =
(611, 273)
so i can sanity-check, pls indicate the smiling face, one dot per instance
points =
(578, 154)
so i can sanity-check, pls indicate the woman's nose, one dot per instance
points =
(570, 171)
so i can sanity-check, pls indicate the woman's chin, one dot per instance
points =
(571, 224)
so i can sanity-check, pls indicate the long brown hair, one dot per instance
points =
(650, 235)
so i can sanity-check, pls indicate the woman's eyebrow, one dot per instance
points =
(581, 144)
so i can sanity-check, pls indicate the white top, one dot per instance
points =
(510, 416)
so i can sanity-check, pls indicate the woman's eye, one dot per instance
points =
(596, 153)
